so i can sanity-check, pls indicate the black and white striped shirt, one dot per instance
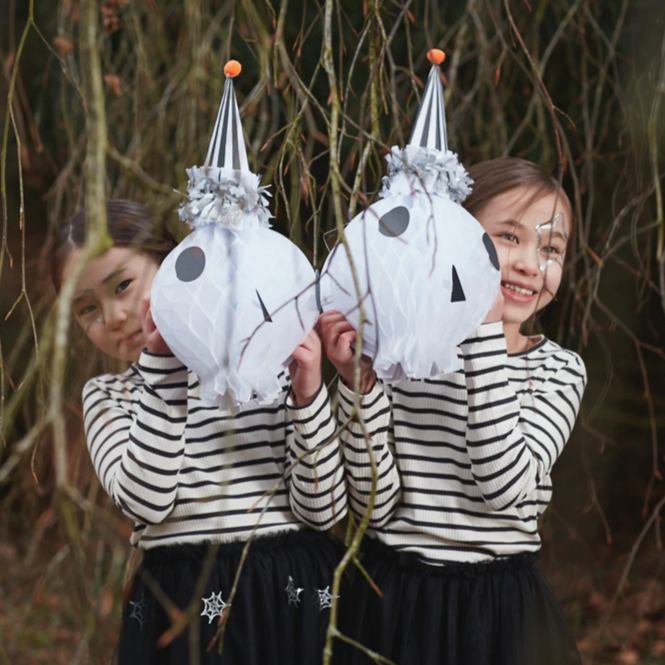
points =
(187, 473)
(464, 461)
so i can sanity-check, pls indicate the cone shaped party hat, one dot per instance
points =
(429, 130)
(426, 164)
(224, 191)
(227, 145)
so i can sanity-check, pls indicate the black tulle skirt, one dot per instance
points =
(497, 613)
(279, 614)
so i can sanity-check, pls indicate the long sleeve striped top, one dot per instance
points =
(185, 472)
(464, 461)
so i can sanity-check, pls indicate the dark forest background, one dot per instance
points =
(575, 85)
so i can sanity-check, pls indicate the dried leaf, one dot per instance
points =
(64, 45)
(113, 82)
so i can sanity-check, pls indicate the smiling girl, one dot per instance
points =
(464, 460)
(191, 476)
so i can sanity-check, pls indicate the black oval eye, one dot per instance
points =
(491, 250)
(394, 222)
(190, 264)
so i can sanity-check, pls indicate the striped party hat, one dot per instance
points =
(227, 145)
(224, 191)
(429, 130)
(426, 164)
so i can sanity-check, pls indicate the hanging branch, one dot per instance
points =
(97, 239)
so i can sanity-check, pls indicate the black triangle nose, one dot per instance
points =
(266, 314)
(457, 294)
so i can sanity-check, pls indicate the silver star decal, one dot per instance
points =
(293, 592)
(139, 610)
(325, 598)
(551, 227)
(214, 606)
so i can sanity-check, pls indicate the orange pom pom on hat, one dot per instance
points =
(436, 56)
(232, 68)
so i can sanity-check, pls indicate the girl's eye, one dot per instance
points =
(88, 309)
(551, 250)
(123, 285)
(508, 236)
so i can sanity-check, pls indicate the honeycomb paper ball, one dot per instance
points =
(233, 305)
(431, 274)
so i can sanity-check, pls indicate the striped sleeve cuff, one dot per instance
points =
(372, 404)
(155, 367)
(166, 380)
(484, 354)
(309, 419)
(487, 341)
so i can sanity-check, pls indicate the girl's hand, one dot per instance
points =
(153, 340)
(305, 369)
(496, 313)
(338, 335)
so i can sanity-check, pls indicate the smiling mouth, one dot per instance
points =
(519, 293)
(131, 339)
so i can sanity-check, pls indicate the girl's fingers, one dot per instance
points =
(328, 319)
(146, 317)
(346, 339)
(145, 306)
(341, 352)
(336, 328)
(312, 342)
(299, 354)
(331, 313)
(339, 329)
(149, 326)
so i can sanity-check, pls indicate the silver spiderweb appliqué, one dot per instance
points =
(214, 606)
(139, 610)
(548, 230)
(325, 598)
(293, 592)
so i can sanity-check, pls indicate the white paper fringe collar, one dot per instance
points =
(226, 197)
(418, 169)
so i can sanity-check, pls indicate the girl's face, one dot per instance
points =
(107, 299)
(530, 237)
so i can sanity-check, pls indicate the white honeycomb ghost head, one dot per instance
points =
(232, 306)
(430, 273)
(427, 271)
(234, 299)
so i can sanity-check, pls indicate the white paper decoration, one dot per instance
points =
(428, 272)
(234, 299)
(232, 306)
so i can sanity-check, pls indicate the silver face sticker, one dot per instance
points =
(98, 320)
(547, 229)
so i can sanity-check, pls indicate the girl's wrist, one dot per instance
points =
(367, 381)
(305, 398)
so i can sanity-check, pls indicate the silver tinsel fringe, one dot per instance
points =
(233, 199)
(425, 170)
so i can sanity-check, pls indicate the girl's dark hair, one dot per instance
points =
(130, 224)
(497, 176)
